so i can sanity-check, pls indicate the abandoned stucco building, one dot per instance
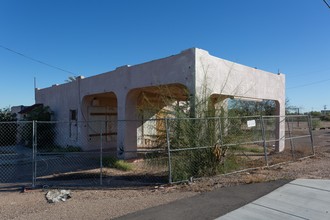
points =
(116, 95)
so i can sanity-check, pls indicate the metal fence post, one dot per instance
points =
(34, 153)
(101, 155)
(310, 125)
(291, 140)
(264, 138)
(220, 132)
(168, 151)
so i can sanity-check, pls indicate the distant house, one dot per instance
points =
(22, 110)
(116, 95)
(325, 112)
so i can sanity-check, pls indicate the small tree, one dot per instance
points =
(203, 127)
(6, 115)
(8, 127)
(315, 114)
(45, 129)
(39, 113)
(193, 127)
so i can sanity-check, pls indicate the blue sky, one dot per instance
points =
(92, 37)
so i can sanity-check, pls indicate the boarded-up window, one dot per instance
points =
(102, 121)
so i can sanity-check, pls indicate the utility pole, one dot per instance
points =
(35, 87)
(298, 118)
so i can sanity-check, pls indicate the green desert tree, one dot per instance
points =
(41, 116)
(8, 127)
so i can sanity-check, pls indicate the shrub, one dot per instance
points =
(316, 123)
(325, 118)
(122, 165)
(109, 161)
(113, 162)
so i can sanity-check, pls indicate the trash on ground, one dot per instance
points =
(57, 195)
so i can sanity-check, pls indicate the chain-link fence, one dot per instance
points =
(161, 151)
(85, 154)
(205, 147)
(76, 154)
(15, 161)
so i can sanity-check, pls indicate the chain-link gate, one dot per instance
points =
(15, 159)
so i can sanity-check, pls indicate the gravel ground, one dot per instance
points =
(108, 204)
(85, 204)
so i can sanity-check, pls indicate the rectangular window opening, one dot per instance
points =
(73, 115)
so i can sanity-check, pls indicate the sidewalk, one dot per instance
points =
(299, 199)
(209, 205)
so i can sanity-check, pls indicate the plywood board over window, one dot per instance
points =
(102, 121)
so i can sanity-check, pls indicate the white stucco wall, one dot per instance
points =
(238, 81)
(233, 79)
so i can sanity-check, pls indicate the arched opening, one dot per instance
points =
(147, 107)
(241, 119)
(251, 107)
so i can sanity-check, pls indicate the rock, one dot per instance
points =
(279, 168)
(57, 195)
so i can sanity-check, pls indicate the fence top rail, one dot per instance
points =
(287, 116)
(15, 122)
(165, 118)
(210, 118)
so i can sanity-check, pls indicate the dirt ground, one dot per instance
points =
(109, 203)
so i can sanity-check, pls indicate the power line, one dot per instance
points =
(35, 60)
(309, 84)
(305, 73)
(325, 1)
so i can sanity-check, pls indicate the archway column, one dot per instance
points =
(280, 126)
(127, 125)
